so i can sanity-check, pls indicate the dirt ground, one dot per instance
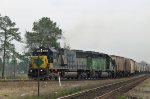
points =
(142, 91)
(20, 90)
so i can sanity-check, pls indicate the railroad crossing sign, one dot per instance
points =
(38, 62)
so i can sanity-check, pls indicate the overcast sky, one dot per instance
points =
(119, 27)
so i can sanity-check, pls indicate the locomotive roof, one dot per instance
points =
(95, 54)
(79, 51)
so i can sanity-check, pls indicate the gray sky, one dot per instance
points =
(120, 27)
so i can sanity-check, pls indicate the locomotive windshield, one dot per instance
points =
(40, 52)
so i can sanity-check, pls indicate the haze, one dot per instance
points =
(118, 27)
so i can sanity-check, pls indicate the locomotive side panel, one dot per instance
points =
(99, 64)
(81, 63)
(66, 59)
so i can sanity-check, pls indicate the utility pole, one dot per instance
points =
(39, 63)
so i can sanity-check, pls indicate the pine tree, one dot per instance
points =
(8, 33)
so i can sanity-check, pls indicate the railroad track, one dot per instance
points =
(26, 80)
(15, 80)
(107, 91)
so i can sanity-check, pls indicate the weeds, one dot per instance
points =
(67, 91)
(56, 94)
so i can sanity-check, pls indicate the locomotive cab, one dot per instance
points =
(44, 59)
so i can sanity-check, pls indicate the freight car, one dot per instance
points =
(126, 67)
(70, 64)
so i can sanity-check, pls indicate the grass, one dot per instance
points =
(57, 94)
(65, 92)
(48, 90)
(20, 77)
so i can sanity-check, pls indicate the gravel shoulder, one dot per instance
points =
(142, 91)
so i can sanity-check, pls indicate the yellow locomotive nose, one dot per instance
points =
(39, 61)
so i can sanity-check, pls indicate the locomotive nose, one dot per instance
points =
(39, 61)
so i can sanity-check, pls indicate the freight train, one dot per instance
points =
(80, 64)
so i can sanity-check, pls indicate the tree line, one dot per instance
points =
(45, 32)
